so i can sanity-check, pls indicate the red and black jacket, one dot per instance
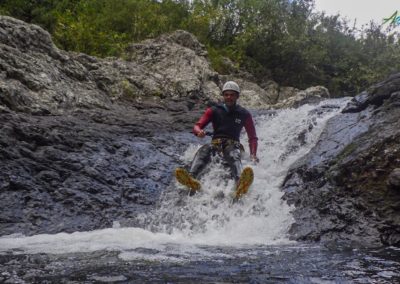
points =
(229, 124)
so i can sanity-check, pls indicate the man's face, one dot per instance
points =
(230, 98)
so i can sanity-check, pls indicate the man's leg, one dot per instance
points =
(232, 155)
(201, 159)
(189, 179)
(244, 179)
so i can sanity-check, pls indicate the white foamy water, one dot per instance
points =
(184, 224)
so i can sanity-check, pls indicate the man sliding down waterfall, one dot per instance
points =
(228, 119)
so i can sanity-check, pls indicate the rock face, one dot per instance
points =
(83, 141)
(292, 98)
(38, 78)
(179, 60)
(344, 189)
(394, 179)
(83, 170)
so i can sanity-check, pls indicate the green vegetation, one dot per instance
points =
(282, 39)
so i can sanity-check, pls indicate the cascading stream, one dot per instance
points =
(261, 217)
(209, 218)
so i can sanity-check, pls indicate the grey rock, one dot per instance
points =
(178, 61)
(285, 93)
(38, 78)
(375, 95)
(293, 98)
(84, 170)
(340, 187)
(394, 179)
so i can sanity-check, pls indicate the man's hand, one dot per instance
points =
(254, 159)
(201, 134)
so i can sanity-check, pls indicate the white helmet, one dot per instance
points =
(231, 86)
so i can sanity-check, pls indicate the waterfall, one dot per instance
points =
(261, 217)
(209, 218)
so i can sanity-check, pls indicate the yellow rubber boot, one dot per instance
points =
(184, 178)
(245, 181)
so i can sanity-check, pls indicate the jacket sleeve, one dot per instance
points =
(251, 134)
(203, 121)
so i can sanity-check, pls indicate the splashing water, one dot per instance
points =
(262, 217)
(209, 218)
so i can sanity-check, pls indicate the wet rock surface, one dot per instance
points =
(394, 179)
(83, 141)
(343, 189)
(84, 170)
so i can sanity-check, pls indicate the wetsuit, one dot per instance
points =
(227, 124)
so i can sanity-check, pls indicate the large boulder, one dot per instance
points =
(38, 78)
(340, 188)
(290, 97)
(178, 60)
